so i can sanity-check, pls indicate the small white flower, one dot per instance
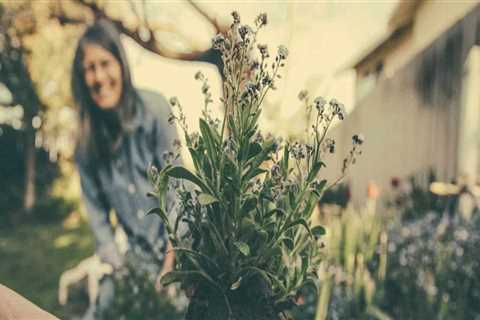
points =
(358, 139)
(320, 103)
(176, 143)
(218, 41)
(199, 75)
(263, 50)
(275, 170)
(261, 20)
(244, 31)
(236, 17)
(173, 101)
(302, 95)
(282, 52)
(171, 118)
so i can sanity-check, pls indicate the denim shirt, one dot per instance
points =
(123, 183)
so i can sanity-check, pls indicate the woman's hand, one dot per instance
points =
(14, 306)
(168, 264)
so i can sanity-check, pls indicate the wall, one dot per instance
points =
(412, 120)
(432, 19)
(403, 135)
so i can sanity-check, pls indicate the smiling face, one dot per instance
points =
(103, 76)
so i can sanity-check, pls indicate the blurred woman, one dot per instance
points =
(122, 130)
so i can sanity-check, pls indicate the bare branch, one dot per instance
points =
(134, 9)
(212, 20)
(151, 43)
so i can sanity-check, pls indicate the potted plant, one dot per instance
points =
(250, 246)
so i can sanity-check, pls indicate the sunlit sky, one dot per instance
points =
(323, 38)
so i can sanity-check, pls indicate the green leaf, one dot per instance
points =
(159, 212)
(172, 277)
(255, 149)
(313, 282)
(210, 229)
(247, 229)
(255, 117)
(205, 199)
(182, 173)
(253, 173)
(231, 125)
(177, 276)
(284, 161)
(291, 200)
(249, 205)
(199, 255)
(196, 159)
(319, 189)
(209, 138)
(279, 211)
(207, 167)
(270, 278)
(299, 222)
(236, 284)
(264, 155)
(313, 173)
(250, 271)
(152, 195)
(288, 242)
(318, 231)
(303, 272)
(272, 252)
(243, 247)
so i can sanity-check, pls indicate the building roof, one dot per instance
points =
(400, 21)
(403, 14)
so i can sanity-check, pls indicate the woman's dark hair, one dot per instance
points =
(101, 131)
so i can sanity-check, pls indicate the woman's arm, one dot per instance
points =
(98, 210)
(164, 135)
(168, 265)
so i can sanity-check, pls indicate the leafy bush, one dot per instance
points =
(250, 247)
(54, 209)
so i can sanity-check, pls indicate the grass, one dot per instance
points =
(33, 256)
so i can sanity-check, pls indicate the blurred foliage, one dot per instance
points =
(432, 269)
(12, 175)
(412, 198)
(54, 209)
(338, 195)
(137, 299)
(380, 267)
(356, 261)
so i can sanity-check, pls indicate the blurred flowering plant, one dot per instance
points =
(421, 269)
(250, 246)
(432, 269)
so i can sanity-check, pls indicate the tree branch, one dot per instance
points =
(212, 20)
(137, 34)
(150, 43)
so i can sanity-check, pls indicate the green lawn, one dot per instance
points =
(32, 257)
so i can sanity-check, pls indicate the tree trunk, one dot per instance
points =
(15, 75)
(30, 165)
